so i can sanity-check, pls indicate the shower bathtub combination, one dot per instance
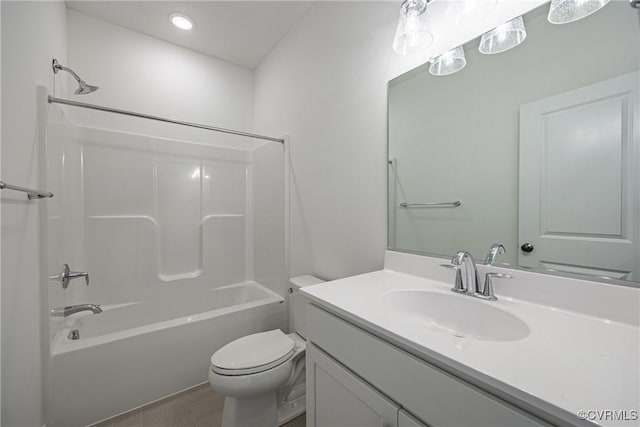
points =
(185, 253)
(136, 353)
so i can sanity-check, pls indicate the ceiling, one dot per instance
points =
(240, 32)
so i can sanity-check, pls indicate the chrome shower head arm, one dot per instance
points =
(57, 67)
(83, 87)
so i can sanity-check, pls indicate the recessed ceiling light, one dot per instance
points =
(181, 21)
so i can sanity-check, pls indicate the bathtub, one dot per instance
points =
(135, 353)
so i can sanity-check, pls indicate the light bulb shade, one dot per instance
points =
(565, 11)
(412, 35)
(504, 37)
(448, 63)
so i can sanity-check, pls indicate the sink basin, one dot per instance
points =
(457, 315)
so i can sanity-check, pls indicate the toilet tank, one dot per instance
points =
(297, 302)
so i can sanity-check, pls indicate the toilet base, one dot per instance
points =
(290, 410)
(263, 411)
(259, 411)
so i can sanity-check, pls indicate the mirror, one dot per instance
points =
(540, 145)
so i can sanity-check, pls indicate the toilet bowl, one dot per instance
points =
(262, 374)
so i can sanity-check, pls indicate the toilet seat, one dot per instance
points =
(253, 354)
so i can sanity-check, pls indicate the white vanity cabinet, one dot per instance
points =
(342, 399)
(355, 378)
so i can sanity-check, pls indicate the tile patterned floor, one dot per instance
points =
(198, 407)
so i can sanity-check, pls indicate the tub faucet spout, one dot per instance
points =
(72, 309)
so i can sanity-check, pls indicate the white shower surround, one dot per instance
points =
(168, 231)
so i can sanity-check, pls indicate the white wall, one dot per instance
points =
(269, 227)
(140, 73)
(32, 33)
(325, 85)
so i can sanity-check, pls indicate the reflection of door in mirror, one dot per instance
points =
(579, 184)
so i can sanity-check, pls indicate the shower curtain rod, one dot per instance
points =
(54, 100)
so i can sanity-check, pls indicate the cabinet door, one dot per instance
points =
(406, 420)
(336, 397)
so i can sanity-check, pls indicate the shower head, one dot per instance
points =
(83, 88)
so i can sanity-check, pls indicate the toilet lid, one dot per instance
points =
(253, 351)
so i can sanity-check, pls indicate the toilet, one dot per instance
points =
(262, 375)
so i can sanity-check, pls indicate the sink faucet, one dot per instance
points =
(493, 252)
(466, 280)
(73, 309)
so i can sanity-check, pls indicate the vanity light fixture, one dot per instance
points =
(181, 21)
(504, 37)
(565, 11)
(471, 9)
(412, 34)
(448, 63)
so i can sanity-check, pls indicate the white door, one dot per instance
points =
(579, 207)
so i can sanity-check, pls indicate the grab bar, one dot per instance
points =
(31, 194)
(453, 204)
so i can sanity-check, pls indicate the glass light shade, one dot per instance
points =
(565, 11)
(412, 34)
(448, 63)
(504, 37)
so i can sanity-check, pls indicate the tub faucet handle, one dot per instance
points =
(66, 276)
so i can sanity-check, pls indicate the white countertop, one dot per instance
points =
(568, 362)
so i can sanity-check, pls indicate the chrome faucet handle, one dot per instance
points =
(487, 289)
(495, 250)
(457, 258)
(456, 262)
(66, 275)
(458, 285)
(76, 274)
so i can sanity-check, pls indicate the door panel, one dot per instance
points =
(579, 191)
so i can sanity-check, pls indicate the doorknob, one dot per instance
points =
(526, 247)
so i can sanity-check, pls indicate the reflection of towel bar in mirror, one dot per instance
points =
(453, 204)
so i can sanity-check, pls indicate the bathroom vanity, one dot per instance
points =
(397, 347)
(535, 151)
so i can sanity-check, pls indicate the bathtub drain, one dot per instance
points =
(74, 335)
